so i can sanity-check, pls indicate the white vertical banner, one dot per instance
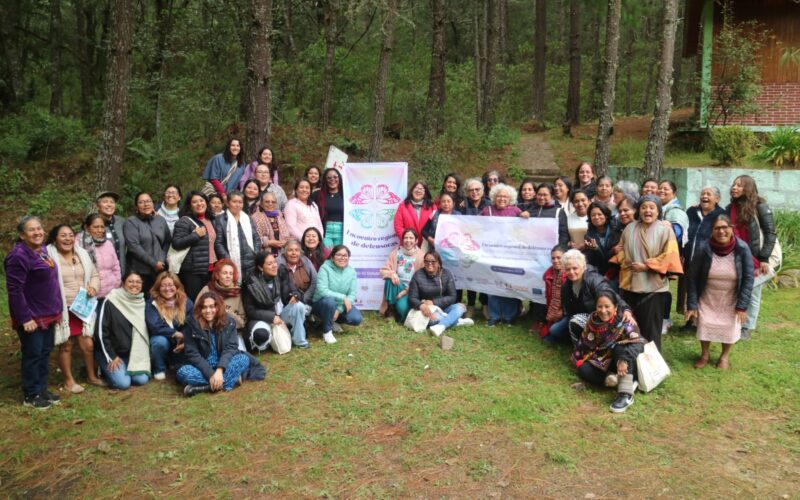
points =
(372, 192)
(336, 158)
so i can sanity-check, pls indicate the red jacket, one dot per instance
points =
(548, 293)
(406, 217)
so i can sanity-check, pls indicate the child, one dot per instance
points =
(554, 278)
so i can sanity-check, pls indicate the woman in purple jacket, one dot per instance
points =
(34, 301)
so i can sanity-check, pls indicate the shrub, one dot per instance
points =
(35, 134)
(788, 228)
(783, 145)
(730, 145)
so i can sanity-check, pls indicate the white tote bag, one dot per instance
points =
(175, 258)
(651, 368)
(281, 341)
(417, 321)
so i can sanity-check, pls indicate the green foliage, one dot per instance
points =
(434, 161)
(731, 144)
(788, 229)
(629, 152)
(35, 134)
(782, 146)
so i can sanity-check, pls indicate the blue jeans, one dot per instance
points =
(503, 309)
(35, 347)
(325, 308)
(294, 315)
(159, 351)
(119, 379)
(753, 308)
(559, 332)
(450, 317)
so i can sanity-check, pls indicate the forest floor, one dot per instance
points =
(387, 413)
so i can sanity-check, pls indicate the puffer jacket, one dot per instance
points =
(440, 289)
(761, 249)
(701, 264)
(259, 301)
(148, 240)
(585, 301)
(184, 236)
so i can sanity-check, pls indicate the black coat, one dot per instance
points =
(113, 333)
(440, 289)
(554, 211)
(148, 240)
(701, 264)
(699, 229)
(248, 255)
(184, 236)
(259, 302)
(197, 345)
(585, 302)
(599, 258)
(761, 249)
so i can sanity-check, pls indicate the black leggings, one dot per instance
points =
(193, 283)
(624, 352)
(472, 295)
(648, 309)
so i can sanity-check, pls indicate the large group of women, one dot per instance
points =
(200, 282)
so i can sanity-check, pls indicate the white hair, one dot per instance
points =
(467, 183)
(512, 193)
(574, 256)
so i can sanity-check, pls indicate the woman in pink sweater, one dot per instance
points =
(101, 250)
(300, 212)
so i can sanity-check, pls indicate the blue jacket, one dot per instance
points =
(699, 229)
(217, 168)
(701, 264)
(158, 326)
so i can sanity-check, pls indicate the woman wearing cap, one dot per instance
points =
(649, 255)
(35, 306)
(148, 239)
(106, 204)
(225, 170)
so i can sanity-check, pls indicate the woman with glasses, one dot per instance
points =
(490, 179)
(432, 290)
(720, 282)
(474, 203)
(414, 212)
(169, 206)
(330, 204)
(148, 238)
(335, 296)
(263, 178)
(271, 225)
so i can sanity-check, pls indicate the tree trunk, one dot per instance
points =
(540, 60)
(56, 83)
(479, 62)
(259, 75)
(503, 27)
(157, 67)
(609, 85)
(492, 59)
(596, 87)
(387, 43)
(10, 43)
(629, 75)
(659, 128)
(115, 110)
(434, 126)
(288, 30)
(678, 60)
(330, 54)
(574, 87)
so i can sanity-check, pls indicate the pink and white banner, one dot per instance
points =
(505, 256)
(372, 192)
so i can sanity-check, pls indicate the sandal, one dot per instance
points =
(701, 363)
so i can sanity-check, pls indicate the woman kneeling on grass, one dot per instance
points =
(435, 286)
(214, 361)
(607, 350)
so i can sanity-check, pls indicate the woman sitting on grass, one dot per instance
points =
(607, 349)
(335, 296)
(401, 265)
(432, 290)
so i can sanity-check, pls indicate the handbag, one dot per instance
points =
(776, 257)
(651, 368)
(417, 321)
(281, 341)
(175, 258)
(208, 189)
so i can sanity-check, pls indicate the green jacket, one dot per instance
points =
(336, 282)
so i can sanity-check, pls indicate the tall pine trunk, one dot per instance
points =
(434, 126)
(479, 60)
(259, 75)
(492, 59)
(56, 83)
(330, 54)
(574, 87)
(108, 165)
(539, 60)
(601, 151)
(387, 43)
(659, 127)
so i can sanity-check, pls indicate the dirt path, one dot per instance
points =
(536, 158)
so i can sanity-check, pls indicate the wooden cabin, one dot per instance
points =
(779, 101)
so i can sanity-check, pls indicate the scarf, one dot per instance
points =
(62, 327)
(599, 338)
(132, 309)
(722, 249)
(225, 292)
(212, 236)
(554, 311)
(655, 246)
(90, 243)
(232, 234)
(271, 213)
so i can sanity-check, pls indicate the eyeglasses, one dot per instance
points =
(331, 178)
(493, 179)
(722, 228)
(341, 256)
(473, 190)
(428, 261)
(269, 202)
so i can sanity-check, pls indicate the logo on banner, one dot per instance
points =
(372, 215)
(459, 248)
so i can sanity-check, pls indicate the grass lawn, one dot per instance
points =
(386, 413)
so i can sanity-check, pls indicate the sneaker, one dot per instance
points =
(337, 328)
(745, 334)
(611, 380)
(194, 390)
(159, 376)
(49, 396)
(329, 338)
(304, 346)
(37, 402)
(465, 322)
(437, 330)
(622, 403)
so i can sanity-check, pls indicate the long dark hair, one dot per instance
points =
(186, 209)
(318, 184)
(53, 234)
(427, 201)
(316, 256)
(310, 199)
(322, 194)
(603, 208)
(273, 165)
(577, 179)
(747, 203)
(226, 154)
(530, 181)
(219, 318)
(456, 178)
